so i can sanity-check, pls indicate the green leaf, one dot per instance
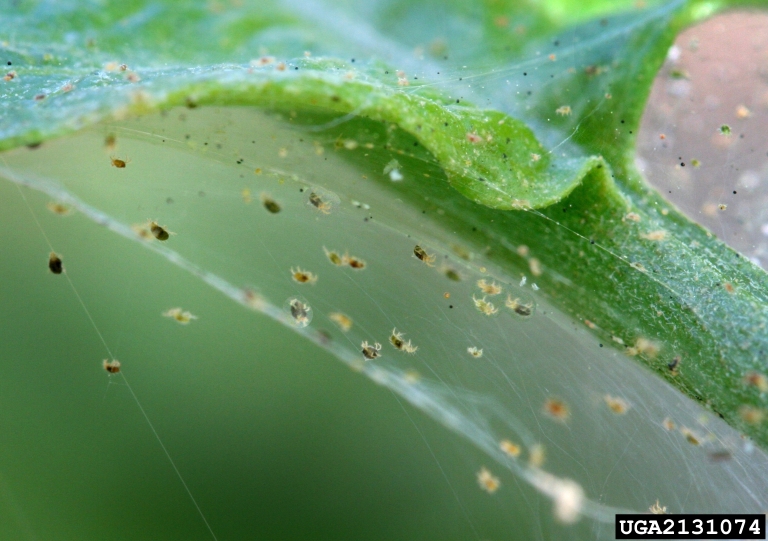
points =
(513, 123)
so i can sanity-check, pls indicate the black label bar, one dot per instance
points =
(644, 526)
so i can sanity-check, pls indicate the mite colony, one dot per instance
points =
(301, 313)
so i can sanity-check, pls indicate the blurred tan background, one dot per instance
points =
(715, 75)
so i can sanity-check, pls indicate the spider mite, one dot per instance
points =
(536, 455)
(117, 162)
(487, 481)
(422, 255)
(342, 320)
(557, 409)
(300, 311)
(518, 307)
(59, 208)
(182, 316)
(475, 352)
(758, 380)
(334, 257)
(302, 276)
(617, 405)
(658, 509)
(113, 366)
(270, 204)
(319, 203)
(489, 288)
(396, 339)
(158, 231)
(354, 262)
(511, 449)
(54, 264)
(674, 365)
(485, 306)
(370, 352)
